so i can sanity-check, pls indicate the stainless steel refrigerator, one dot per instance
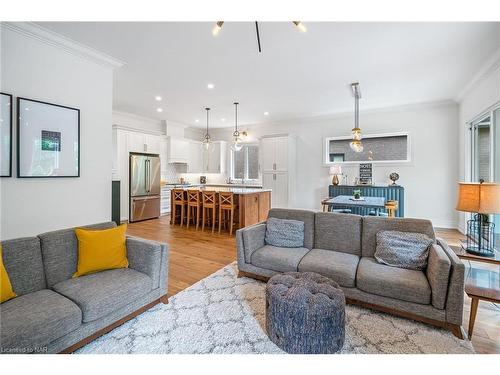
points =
(144, 186)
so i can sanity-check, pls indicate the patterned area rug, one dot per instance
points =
(224, 314)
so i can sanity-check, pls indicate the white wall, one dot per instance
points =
(33, 69)
(429, 179)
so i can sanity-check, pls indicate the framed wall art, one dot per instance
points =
(5, 135)
(48, 139)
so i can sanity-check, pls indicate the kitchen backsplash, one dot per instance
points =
(173, 172)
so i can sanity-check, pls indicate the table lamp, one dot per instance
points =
(481, 199)
(335, 170)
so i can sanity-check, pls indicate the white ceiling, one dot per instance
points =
(297, 74)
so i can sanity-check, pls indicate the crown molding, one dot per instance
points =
(49, 37)
(491, 65)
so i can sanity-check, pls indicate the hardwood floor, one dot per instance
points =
(195, 254)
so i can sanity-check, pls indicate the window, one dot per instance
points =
(379, 148)
(245, 163)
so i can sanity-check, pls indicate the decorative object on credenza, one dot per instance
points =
(335, 171)
(394, 177)
(48, 139)
(5, 135)
(365, 174)
(203, 179)
(481, 199)
(356, 144)
(356, 194)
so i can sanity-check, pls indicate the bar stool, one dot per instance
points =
(208, 199)
(193, 204)
(227, 207)
(178, 200)
(391, 206)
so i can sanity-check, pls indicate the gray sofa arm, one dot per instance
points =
(249, 240)
(151, 258)
(438, 274)
(455, 297)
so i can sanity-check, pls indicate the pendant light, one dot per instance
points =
(206, 140)
(356, 144)
(236, 146)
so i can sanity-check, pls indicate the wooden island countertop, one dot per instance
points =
(253, 203)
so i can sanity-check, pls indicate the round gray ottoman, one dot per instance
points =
(305, 313)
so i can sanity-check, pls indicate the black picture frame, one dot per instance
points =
(11, 103)
(19, 99)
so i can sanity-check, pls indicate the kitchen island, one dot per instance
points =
(253, 204)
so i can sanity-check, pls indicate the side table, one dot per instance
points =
(480, 284)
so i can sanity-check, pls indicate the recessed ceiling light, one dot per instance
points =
(159, 110)
(223, 119)
(266, 113)
(210, 86)
(197, 120)
(158, 98)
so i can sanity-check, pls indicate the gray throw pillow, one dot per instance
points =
(284, 233)
(403, 249)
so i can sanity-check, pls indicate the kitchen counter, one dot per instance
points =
(253, 204)
(226, 189)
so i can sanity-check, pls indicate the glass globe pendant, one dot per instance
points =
(356, 144)
(207, 140)
(237, 144)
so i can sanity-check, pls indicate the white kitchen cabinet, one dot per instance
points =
(277, 158)
(215, 158)
(195, 157)
(274, 153)
(279, 183)
(151, 144)
(135, 141)
(178, 150)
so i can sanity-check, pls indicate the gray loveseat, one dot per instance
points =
(342, 246)
(54, 312)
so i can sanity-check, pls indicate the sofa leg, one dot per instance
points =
(457, 330)
(164, 299)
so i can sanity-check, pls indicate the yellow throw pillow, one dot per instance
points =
(6, 291)
(100, 250)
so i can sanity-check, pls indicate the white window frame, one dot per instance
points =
(245, 174)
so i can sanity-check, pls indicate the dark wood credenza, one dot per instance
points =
(391, 192)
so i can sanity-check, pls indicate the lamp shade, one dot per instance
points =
(335, 169)
(483, 198)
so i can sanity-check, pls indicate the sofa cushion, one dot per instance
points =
(374, 224)
(284, 233)
(338, 232)
(403, 249)
(34, 320)
(302, 215)
(101, 250)
(338, 266)
(99, 294)
(60, 252)
(280, 259)
(398, 283)
(23, 261)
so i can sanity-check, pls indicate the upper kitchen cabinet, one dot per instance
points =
(141, 142)
(274, 152)
(195, 157)
(214, 159)
(178, 150)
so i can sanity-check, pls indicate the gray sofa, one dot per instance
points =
(54, 312)
(342, 246)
